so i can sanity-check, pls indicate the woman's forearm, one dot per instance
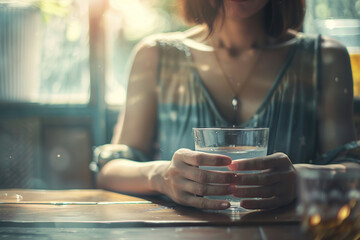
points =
(344, 165)
(128, 176)
(124, 175)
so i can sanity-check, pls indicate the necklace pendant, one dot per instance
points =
(234, 103)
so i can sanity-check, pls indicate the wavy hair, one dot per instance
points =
(280, 15)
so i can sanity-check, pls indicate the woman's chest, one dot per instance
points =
(239, 87)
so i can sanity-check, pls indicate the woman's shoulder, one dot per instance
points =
(336, 66)
(167, 44)
(328, 45)
(334, 60)
(149, 46)
(169, 37)
(334, 56)
(332, 49)
(172, 38)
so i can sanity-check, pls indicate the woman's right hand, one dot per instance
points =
(184, 182)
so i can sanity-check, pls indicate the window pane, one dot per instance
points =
(44, 49)
(127, 22)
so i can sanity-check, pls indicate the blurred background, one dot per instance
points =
(63, 77)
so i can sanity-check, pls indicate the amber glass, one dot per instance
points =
(355, 66)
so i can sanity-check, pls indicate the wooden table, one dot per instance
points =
(99, 214)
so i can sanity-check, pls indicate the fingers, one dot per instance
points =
(271, 196)
(275, 188)
(201, 159)
(184, 180)
(274, 161)
(263, 178)
(205, 176)
(203, 189)
(274, 184)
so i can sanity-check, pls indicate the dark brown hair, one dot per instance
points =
(280, 15)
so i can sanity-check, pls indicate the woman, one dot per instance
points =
(242, 66)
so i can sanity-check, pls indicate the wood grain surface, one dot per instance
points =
(93, 214)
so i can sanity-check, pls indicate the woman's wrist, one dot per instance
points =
(156, 176)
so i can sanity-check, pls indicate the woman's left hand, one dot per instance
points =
(275, 184)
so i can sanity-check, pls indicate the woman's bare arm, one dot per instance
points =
(336, 106)
(137, 127)
(336, 103)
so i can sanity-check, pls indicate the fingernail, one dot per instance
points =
(224, 205)
(228, 161)
(232, 166)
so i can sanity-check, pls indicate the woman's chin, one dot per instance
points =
(242, 9)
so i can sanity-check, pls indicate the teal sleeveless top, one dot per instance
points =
(289, 109)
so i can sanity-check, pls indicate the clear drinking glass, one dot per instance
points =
(329, 203)
(237, 143)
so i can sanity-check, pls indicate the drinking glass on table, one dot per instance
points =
(236, 143)
(355, 66)
(329, 203)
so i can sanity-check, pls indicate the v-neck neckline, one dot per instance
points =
(266, 99)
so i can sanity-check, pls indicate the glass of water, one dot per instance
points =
(329, 203)
(236, 143)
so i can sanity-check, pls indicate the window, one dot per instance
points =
(339, 20)
(44, 48)
(47, 44)
(127, 22)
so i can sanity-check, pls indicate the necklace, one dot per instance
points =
(235, 89)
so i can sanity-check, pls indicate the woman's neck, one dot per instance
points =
(240, 34)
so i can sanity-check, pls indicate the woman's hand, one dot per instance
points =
(185, 183)
(275, 184)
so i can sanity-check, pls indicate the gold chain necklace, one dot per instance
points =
(235, 90)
